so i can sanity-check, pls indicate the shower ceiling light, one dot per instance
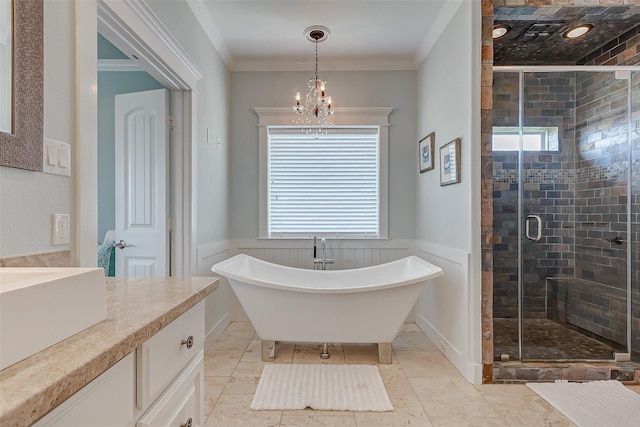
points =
(578, 31)
(314, 114)
(500, 30)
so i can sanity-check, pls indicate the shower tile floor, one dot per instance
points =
(547, 340)
(424, 387)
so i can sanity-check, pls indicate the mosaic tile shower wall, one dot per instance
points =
(601, 178)
(597, 303)
(547, 189)
(505, 202)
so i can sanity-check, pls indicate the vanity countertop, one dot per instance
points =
(137, 308)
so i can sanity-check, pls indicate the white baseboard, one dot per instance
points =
(472, 372)
(216, 331)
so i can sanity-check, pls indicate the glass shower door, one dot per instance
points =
(574, 171)
(506, 290)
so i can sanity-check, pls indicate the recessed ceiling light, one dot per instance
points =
(500, 30)
(578, 31)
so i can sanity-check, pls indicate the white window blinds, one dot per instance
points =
(326, 185)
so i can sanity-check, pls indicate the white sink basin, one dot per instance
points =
(42, 306)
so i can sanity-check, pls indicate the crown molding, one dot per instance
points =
(151, 44)
(449, 8)
(326, 64)
(204, 19)
(144, 12)
(118, 65)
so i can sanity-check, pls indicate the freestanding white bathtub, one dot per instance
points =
(364, 305)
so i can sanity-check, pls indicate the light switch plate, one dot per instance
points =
(56, 157)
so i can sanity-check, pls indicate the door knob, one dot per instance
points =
(122, 244)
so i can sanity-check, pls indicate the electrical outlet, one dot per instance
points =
(61, 226)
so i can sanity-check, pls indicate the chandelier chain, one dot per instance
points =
(316, 59)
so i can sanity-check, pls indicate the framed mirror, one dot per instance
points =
(6, 67)
(22, 71)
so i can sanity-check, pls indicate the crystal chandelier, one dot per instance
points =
(313, 115)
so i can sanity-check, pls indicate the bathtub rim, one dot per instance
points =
(431, 271)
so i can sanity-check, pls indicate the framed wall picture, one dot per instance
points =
(450, 163)
(425, 152)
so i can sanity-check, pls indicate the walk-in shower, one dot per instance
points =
(566, 174)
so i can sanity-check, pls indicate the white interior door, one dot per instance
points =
(141, 184)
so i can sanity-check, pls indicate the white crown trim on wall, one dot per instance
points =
(444, 17)
(118, 65)
(143, 11)
(203, 17)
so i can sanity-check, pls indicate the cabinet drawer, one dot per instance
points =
(182, 404)
(163, 356)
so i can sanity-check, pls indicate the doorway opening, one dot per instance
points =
(134, 151)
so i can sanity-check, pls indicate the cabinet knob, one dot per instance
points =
(189, 343)
(188, 423)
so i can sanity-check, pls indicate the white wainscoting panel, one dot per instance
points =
(346, 253)
(217, 305)
(443, 309)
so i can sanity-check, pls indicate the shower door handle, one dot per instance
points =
(527, 227)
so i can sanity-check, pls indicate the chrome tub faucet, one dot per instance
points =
(320, 263)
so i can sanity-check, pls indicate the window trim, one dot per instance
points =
(349, 117)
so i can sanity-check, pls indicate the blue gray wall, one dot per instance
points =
(395, 89)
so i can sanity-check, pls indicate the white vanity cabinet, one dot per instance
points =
(170, 373)
(105, 402)
(182, 403)
(161, 383)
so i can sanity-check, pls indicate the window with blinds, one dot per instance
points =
(323, 186)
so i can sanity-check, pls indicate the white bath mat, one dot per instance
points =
(322, 387)
(593, 404)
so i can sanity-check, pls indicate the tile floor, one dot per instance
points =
(545, 339)
(424, 387)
